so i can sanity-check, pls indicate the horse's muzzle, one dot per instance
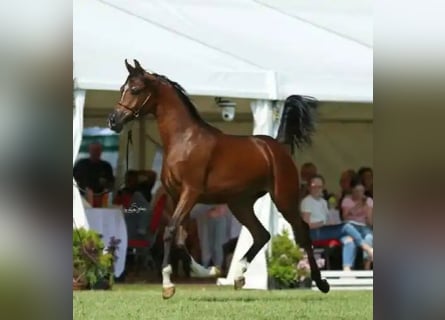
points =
(115, 123)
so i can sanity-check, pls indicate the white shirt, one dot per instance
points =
(317, 208)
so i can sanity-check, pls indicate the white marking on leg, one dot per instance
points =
(240, 268)
(166, 272)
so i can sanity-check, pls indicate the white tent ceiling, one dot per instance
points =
(349, 19)
(237, 48)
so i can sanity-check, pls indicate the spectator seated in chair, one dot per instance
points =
(315, 213)
(94, 176)
(135, 199)
(146, 181)
(307, 171)
(366, 177)
(345, 185)
(123, 196)
(357, 210)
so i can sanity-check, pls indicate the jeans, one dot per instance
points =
(338, 232)
(212, 235)
(367, 236)
(217, 238)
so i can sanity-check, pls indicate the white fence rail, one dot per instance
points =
(348, 280)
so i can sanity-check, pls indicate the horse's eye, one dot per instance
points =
(134, 90)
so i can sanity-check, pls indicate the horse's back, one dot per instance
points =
(241, 163)
(259, 152)
(237, 164)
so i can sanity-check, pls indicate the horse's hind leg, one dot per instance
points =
(243, 211)
(291, 212)
(306, 243)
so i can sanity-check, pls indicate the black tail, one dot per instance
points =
(298, 121)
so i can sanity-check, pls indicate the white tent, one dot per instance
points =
(79, 218)
(104, 36)
(349, 19)
(234, 48)
(266, 49)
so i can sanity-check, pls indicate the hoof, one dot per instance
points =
(323, 286)
(239, 283)
(167, 293)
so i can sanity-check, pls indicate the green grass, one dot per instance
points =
(212, 302)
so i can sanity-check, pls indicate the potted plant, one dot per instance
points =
(288, 266)
(283, 261)
(92, 265)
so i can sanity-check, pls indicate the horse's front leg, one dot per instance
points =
(185, 204)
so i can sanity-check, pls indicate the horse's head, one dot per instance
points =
(138, 97)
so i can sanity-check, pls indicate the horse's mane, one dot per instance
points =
(185, 99)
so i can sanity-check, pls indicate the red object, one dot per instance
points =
(327, 243)
(157, 213)
(126, 199)
(136, 243)
(123, 198)
(97, 201)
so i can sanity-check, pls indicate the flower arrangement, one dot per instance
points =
(304, 269)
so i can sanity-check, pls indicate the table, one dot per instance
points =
(110, 222)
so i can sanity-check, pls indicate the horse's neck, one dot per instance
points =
(174, 121)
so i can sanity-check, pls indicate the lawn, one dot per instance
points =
(128, 302)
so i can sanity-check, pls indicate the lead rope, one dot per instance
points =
(129, 141)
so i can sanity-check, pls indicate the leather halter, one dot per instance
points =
(137, 112)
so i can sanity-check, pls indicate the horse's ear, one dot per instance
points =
(138, 65)
(129, 67)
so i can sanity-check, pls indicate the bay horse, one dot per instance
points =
(201, 164)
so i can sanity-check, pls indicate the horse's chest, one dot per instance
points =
(177, 172)
(172, 174)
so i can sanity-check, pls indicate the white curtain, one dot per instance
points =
(79, 217)
(157, 167)
(277, 223)
(266, 116)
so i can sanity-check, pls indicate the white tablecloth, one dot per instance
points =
(110, 222)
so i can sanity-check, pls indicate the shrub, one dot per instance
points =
(283, 262)
(90, 262)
